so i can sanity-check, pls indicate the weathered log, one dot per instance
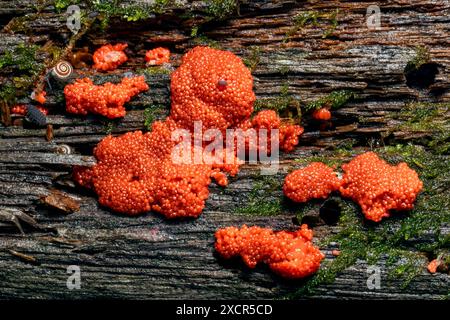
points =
(150, 257)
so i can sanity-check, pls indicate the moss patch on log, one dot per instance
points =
(422, 56)
(288, 106)
(221, 9)
(263, 199)
(22, 62)
(252, 58)
(279, 104)
(327, 20)
(334, 100)
(152, 113)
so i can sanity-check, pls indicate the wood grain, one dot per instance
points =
(149, 257)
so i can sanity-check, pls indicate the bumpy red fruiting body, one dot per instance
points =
(433, 265)
(315, 181)
(289, 136)
(22, 109)
(83, 96)
(289, 254)
(83, 176)
(19, 109)
(135, 172)
(378, 186)
(157, 56)
(322, 114)
(196, 95)
(220, 178)
(288, 133)
(268, 119)
(109, 57)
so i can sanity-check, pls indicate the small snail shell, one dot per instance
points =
(63, 149)
(62, 70)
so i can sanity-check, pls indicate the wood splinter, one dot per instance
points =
(61, 201)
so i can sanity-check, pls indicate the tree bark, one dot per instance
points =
(150, 257)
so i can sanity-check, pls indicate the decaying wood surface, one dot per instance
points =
(150, 257)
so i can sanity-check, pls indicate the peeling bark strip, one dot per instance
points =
(299, 51)
(61, 202)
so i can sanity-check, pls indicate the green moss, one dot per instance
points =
(314, 19)
(399, 239)
(304, 18)
(261, 199)
(194, 31)
(108, 126)
(252, 59)
(334, 100)
(429, 118)
(284, 70)
(22, 62)
(151, 114)
(22, 59)
(289, 107)
(421, 57)
(221, 9)
(60, 5)
(126, 10)
(425, 116)
(333, 159)
(155, 70)
(8, 92)
(135, 14)
(333, 24)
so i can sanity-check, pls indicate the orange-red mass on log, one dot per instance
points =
(157, 56)
(379, 187)
(322, 114)
(136, 172)
(315, 181)
(109, 57)
(83, 96)
(22, 109)
(289, 254)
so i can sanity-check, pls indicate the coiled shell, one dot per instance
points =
(62, 70)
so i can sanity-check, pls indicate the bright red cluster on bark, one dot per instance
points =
(109, 57)
(379, 187)
(83, 96)
(289, 254)
(22, 109)
(288, 133)
(213, 86)
(375, 185)
(433, 266)
(157, 56)
(322, 114)
(315, 181)
(136, 173)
